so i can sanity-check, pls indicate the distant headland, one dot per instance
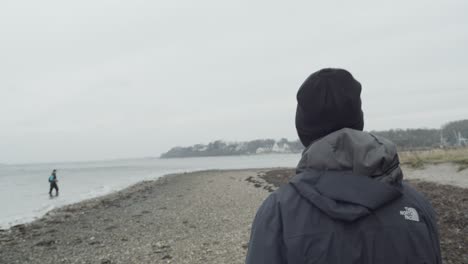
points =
(222, 148)
(452, 134)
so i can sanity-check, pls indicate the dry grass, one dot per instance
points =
(417, 159)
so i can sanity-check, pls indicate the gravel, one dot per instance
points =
(200, 217)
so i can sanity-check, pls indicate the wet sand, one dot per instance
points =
(200, 217)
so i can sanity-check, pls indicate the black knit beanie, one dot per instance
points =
(327, 101)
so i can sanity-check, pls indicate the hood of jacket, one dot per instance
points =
(349, 173)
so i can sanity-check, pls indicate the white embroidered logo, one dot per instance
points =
(410, 214)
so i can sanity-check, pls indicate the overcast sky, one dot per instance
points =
(95, 79)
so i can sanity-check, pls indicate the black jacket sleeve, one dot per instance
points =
(266, 240)
(431, 221)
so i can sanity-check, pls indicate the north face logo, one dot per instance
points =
(410, 214)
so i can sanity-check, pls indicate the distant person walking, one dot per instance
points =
(347, 202)
(53, 183)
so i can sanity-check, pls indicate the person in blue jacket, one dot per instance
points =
(53, 183)
(347, 203)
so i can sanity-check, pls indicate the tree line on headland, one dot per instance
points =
(452, 134)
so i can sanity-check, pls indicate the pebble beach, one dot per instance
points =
(199, 217)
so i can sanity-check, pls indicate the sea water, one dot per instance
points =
(24, 188)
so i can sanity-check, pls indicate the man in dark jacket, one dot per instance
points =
(347, 203)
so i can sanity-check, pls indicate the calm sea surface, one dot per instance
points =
(24, 188)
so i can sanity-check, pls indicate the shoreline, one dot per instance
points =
(444, 173)
(82, 181)
(196, 217)
(129, 188)
(148, 220)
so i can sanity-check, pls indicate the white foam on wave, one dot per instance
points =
(26, 217)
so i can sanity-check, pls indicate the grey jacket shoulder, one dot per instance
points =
(420, 199)
(266, 241)
(428, 211)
